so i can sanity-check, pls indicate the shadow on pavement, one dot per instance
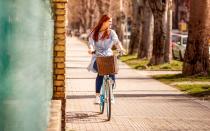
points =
(87, 116)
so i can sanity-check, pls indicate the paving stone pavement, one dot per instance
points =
(141, 103)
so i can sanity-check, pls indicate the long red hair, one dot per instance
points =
(96, 30)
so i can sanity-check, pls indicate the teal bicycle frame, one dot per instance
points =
(106, 95)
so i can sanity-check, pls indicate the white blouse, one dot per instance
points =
(102, 47)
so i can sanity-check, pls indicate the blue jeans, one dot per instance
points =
(99, 79)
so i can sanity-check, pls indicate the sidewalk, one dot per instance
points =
(141, 103)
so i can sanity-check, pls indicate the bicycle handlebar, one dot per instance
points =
(120, 53)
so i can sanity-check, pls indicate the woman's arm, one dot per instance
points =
(120, 47)
(117, 42)
(91, 49)
(91, 44)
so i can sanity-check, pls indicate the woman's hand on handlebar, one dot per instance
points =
(91, 51)
(122, 52)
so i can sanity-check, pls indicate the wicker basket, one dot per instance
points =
(107, 65)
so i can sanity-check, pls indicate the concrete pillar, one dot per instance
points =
(59, 49)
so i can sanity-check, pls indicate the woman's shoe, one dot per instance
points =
(112, 99)
(97, 101)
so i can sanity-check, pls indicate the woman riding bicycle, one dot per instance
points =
(101, 40)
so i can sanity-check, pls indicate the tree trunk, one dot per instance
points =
(103, 6)
(158, 8)
(144, 50)
(176, 14)
(89, 13)
(135, 27)
(197, 51)
(168, 45)
(120, 21)
(119, 28)
(135, 34)
(83, 24)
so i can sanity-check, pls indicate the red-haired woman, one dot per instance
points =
(101, 40)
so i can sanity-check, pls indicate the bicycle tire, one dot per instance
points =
(102, 103)
(108, 103)
(102, 100)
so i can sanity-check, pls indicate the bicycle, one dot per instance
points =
(106, 92)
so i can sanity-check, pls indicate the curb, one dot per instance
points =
(55, 116)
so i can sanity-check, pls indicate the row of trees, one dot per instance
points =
(84, 14)
(196, 61)
(152, 24)
(151, 27)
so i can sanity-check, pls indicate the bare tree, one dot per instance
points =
(90, 13)
(168, 46)
(120, 20)
(135, 26)
(77, 12)
(103, 6)
(72, 14)
(145, 48)
(158, 8)
(196, 60)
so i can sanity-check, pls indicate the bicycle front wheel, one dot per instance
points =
(102, 103)
(108, 102)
